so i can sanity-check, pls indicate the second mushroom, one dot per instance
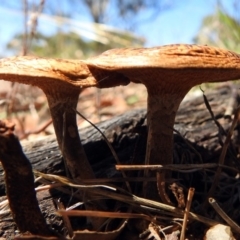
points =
(168, 72)
(62, 81)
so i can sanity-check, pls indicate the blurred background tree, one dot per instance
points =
(221, 29)
(104, 24)
(76, 39)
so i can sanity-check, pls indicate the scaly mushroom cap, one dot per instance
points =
(179, 64)
(46, 73)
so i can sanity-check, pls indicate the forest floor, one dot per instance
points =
(201, 143)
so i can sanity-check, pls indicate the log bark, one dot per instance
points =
(198, 139)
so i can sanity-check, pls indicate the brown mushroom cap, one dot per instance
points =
(209, 64)
(46, 73)
(164, 57)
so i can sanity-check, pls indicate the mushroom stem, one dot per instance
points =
(65, 125)
(162, 108)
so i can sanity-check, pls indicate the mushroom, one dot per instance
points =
(168, 72)
(61, 81)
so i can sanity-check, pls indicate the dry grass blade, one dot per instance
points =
(104, 180)
(48, 187)
(224, 216)
(186, 213)
(65, 218)
(133, 200)
(154, 233)
(185, 168)
(102, 214)
(68, 182)
(220, 128)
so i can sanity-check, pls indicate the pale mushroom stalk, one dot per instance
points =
(168, 72)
